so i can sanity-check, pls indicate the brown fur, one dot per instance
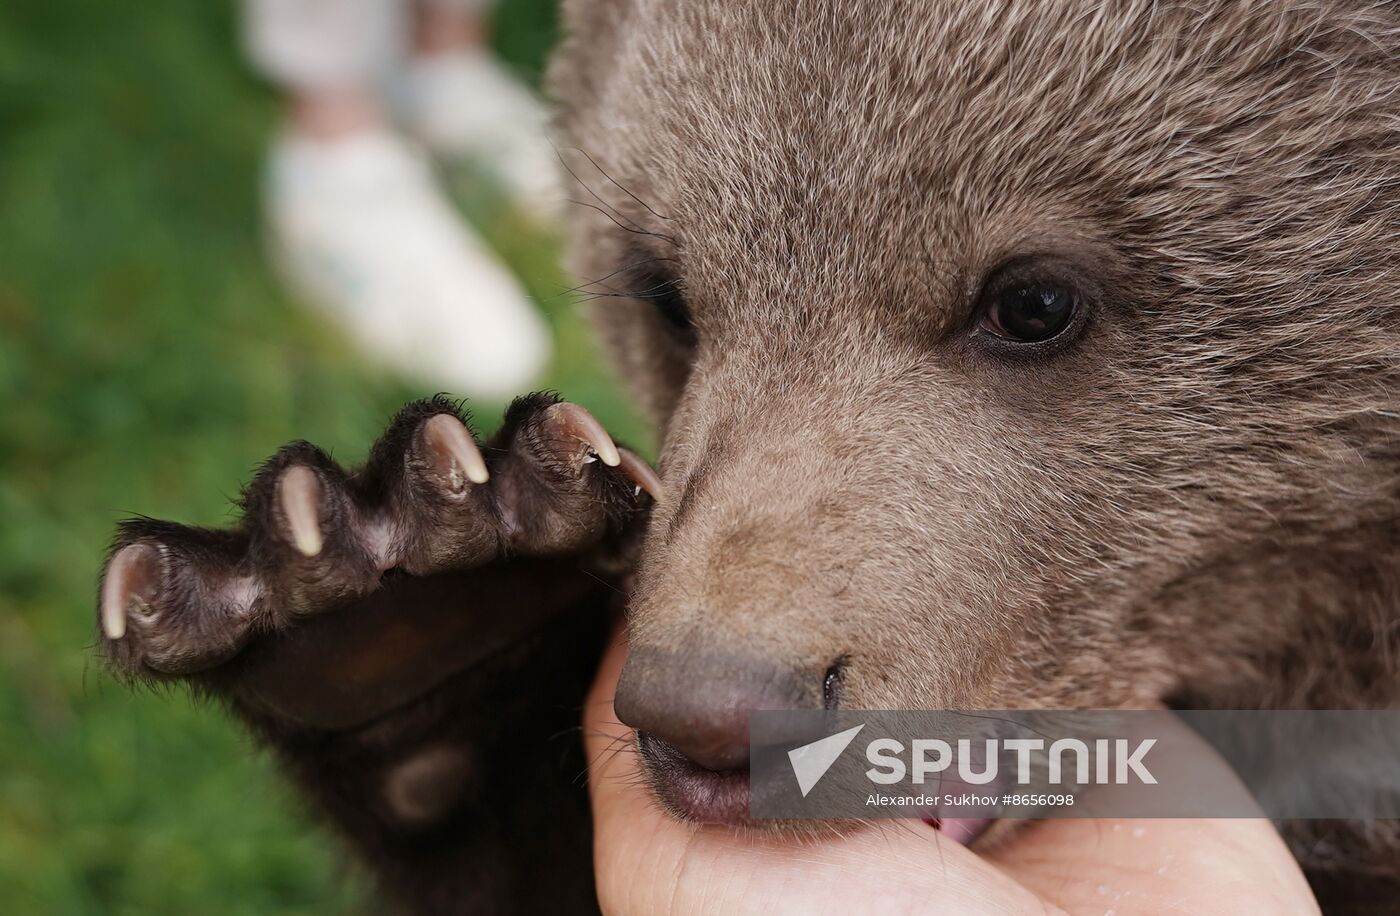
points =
(1195, 500)
(1199, 501)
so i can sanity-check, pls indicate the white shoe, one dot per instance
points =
(466, 104)
(362, 231)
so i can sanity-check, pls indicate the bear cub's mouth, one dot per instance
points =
(708, 781)
(720, 796)
(693, 792)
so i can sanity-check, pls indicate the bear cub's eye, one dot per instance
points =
(671, 306)
(1030, 312)
(666, 293)
(1037, 303)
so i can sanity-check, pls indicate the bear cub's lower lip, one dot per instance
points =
(692, 791)
(707, 796)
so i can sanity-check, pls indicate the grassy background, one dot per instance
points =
(147, 362)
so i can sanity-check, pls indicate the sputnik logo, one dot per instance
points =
(811, 761)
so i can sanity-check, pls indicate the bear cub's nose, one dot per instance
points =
(700, 704)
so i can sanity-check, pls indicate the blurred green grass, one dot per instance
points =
(147, 362)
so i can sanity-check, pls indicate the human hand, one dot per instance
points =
(647, 862)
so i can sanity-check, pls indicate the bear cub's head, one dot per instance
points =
(1002, 354)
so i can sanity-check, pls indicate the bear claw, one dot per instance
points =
(131, 580)
(575, 421)
(454, 453)
(300, 494)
